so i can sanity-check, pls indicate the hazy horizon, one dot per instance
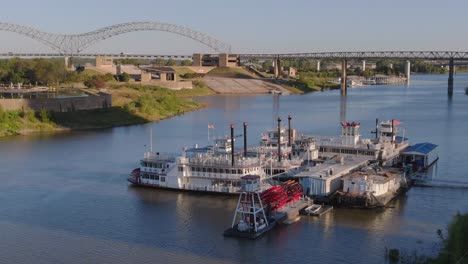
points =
(250, 27)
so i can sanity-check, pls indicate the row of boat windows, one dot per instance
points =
(154, 165)
(226, 183)
(219, 170)
(348, 151)
(153, 177)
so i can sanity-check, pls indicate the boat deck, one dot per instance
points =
(285, 214)
(292, 210)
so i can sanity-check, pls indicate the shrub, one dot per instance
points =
(44, 115)
(125, 77)
(191, 75)
(394, 255)
(95, 82)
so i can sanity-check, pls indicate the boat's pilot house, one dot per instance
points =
(250, 183)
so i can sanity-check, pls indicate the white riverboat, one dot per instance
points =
(210, 169)
(385, 148)
(347, 153)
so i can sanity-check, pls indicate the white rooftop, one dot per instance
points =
(338, 168)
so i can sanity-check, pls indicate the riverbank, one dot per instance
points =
(453, 245)
(132, 104)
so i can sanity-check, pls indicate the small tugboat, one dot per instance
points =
(317, 209)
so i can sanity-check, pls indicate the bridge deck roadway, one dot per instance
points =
(357, 55)
(364, 55)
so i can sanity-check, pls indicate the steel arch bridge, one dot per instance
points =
(69, 45)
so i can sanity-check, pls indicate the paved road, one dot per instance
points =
(242, 86)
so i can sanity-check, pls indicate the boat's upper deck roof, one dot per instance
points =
(421, 148)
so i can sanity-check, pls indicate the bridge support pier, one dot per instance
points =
(277, 69)
(408, 71)
(344, 65)
(318, 66)
(68, 62)
(450, 78)
(363, 67)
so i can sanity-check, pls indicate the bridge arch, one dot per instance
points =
(74, 44)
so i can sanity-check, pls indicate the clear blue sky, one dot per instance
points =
(250, 26)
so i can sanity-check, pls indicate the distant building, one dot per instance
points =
(104, 61)
(158, 73)
(147, 74)
(164, 77)
(220, 60)
(331, 66)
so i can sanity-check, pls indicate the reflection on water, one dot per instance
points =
(276, 107)
(66, 194)
(343, 108)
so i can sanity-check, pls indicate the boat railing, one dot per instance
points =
(216, 175)
(323, 141)
(159, 156)
(224, 162)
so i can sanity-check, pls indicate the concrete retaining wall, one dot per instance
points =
(103, 100)
(173, 85)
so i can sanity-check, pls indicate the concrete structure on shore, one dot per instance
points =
(224, 85)
(164, 77)
(104, 60)
(221, 60)
(91, 101)
(289, 72)
(148, 74)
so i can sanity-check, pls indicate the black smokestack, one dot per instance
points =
(376, 128)
(393, 127)
(289, 134)
(245, 139)
(279, 139)
(232, 145)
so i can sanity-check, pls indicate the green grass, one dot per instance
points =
(16, 122)
(182, 70)
(154, 103)
(311, 81)
(132, 104)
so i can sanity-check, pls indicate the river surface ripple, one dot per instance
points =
(65, 199)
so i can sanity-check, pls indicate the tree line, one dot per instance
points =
(41, 71)
(51, 72)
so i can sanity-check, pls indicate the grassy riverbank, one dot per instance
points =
(454, 246)
(132, 104)
(16, 122)
(315, 81)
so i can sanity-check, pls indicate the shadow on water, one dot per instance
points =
(98, 118)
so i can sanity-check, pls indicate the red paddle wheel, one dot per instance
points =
(278, 196)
